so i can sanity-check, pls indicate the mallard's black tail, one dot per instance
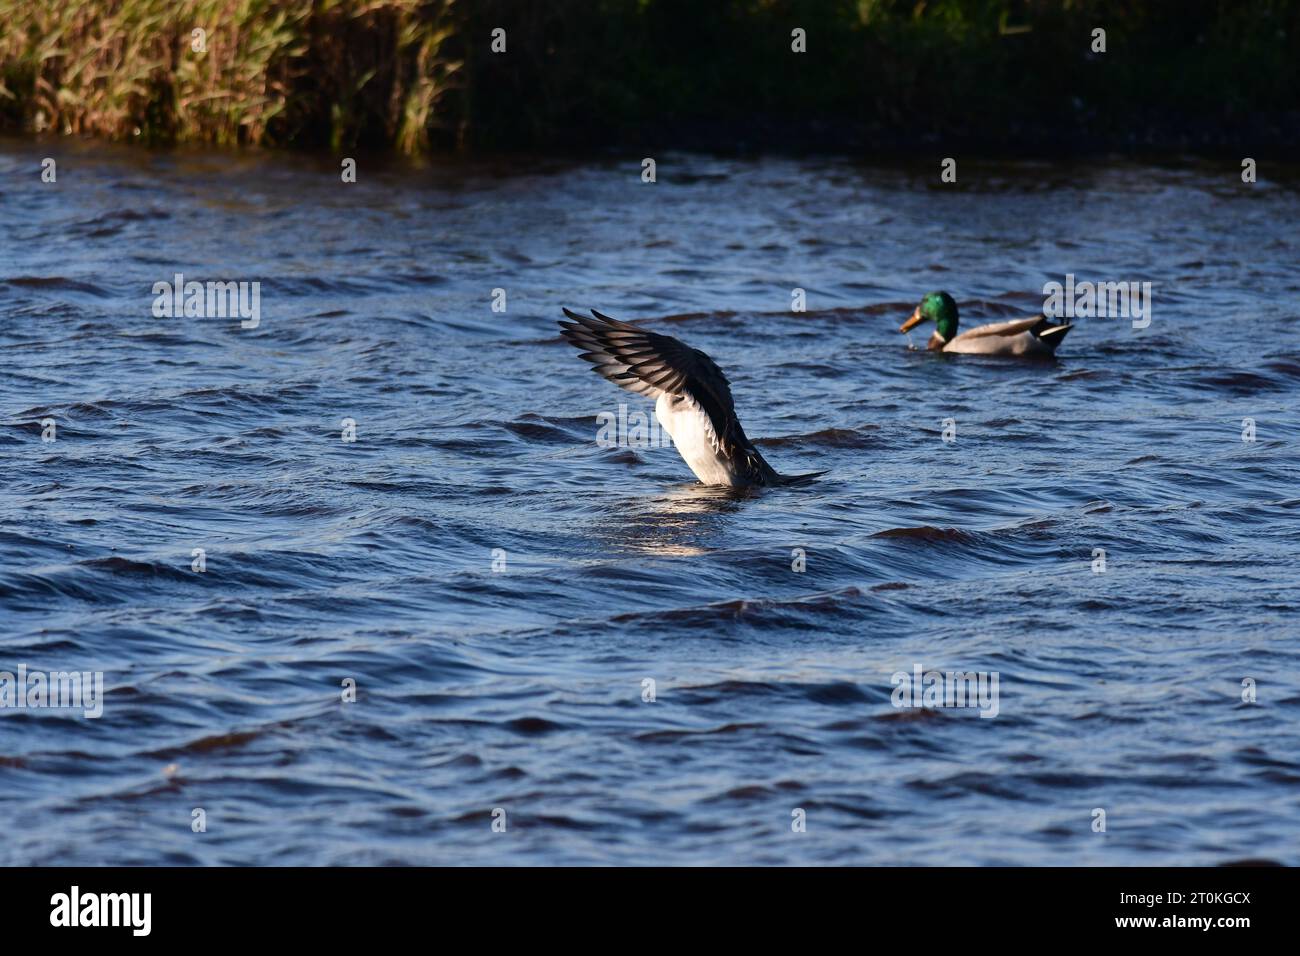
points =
(1050, 333)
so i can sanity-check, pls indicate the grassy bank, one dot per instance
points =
(275, 72)
(416, 74)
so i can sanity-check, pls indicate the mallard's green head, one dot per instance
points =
(939, 308)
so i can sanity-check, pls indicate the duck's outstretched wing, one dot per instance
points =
(652, 364)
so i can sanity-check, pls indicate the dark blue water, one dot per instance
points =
(522, 688)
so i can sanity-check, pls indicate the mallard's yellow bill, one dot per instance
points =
(914, 321)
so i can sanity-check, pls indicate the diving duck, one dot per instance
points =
(692, 397)
(1033, 337)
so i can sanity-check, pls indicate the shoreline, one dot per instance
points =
(420, 76)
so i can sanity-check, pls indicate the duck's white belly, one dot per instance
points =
(692, 434)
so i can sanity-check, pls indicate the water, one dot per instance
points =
(521, 689)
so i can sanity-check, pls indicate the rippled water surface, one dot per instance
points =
(522, 688)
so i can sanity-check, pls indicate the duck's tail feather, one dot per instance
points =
(1051, 334)
(1047, 328)
(799, 479)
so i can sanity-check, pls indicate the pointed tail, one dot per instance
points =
(800, 479)
(1051, 335)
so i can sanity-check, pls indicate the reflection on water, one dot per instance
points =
(682, 521)
(500, 587)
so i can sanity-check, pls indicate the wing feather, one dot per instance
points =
(1013, 327)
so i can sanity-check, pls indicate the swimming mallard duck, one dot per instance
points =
(692, 397)
(1035, 336)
